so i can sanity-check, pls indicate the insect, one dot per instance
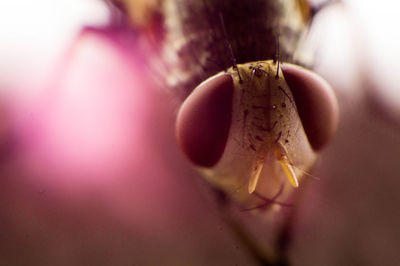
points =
(251, 111)
(241, 123)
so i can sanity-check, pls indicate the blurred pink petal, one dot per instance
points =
(93, 176)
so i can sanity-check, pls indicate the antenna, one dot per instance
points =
(221, 18)
(277, 54)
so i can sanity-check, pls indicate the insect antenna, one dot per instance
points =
(305, 172)
(233, 58)
(277, 54)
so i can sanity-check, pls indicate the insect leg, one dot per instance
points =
(269, 201)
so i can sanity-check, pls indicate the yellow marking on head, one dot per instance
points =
(255, 175)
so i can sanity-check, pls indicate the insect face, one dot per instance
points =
(265, 140)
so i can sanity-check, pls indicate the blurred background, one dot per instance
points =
(90, 173)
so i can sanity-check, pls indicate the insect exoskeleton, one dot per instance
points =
(242, 129)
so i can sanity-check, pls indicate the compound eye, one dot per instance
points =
(316, 104)
(204, 119)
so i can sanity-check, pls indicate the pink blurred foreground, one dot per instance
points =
(91, 175)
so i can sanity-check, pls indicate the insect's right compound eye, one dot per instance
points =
(204, 120)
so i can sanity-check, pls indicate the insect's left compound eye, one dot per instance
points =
(316, 104)
(204, 120)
